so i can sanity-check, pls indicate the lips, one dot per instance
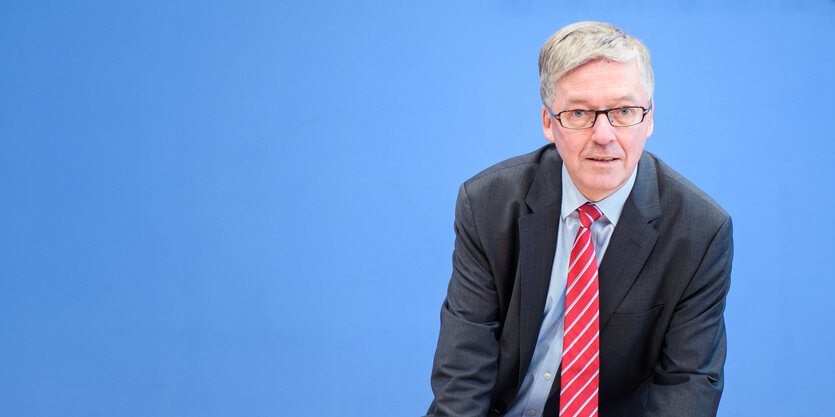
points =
(602, 159)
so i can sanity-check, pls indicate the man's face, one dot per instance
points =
(601, 158)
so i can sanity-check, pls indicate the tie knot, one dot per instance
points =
(589, 213)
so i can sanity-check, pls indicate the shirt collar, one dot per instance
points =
(611, 206)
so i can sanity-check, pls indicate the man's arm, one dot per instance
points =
(466, 359)
(689, 377)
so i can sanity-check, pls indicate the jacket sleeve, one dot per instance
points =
(689, 375)
(466, 359)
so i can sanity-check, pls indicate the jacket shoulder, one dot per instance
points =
(682, 198)
(512, 178)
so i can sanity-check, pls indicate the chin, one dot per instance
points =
(604, 190)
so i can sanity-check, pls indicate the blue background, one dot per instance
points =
(245, 208)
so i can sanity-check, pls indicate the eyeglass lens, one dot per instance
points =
(623, 116)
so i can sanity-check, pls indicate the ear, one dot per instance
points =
(649, 116)
(546, 124)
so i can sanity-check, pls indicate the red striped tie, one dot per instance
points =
(581, 347)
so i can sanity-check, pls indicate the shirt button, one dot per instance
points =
(547, 375)
(533, 412)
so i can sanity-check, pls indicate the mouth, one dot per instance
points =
(602, 159)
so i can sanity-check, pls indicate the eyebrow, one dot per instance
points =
(582, 101)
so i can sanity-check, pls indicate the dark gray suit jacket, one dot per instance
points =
(663, 283)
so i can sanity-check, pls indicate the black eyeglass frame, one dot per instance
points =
(598, 112)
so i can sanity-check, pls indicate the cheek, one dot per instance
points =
(570, 146)
(635, 145)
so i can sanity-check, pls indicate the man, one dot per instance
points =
(588, 278)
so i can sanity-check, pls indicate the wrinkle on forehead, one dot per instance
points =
(626, 98)
(601, 84)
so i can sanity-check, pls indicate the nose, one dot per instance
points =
(603, 131)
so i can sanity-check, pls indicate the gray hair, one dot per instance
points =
(581, 42)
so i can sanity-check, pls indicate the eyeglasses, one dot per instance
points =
(618, 117)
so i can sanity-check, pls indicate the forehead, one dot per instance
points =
(601, 83)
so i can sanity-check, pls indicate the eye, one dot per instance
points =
(626, 111)
(578, 114)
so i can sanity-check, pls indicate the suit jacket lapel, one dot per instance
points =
(632, 241)
(630, 245)
(537, 244)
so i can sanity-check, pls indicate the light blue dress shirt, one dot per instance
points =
(544, 368)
